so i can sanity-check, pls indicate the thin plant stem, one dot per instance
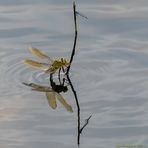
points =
(75, 38)
(86, 122)
(78, 109)
(51, 79)
(59, 76)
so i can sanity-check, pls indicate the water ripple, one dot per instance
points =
(14, 72)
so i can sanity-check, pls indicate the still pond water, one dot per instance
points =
(109, 73)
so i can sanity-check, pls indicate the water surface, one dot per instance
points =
(109, 72)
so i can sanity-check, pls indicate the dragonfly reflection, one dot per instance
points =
(51, 95)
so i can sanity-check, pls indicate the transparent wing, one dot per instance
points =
(35, 64)
(37, 87)
(51, 99)
(63, 102)
(38, 53)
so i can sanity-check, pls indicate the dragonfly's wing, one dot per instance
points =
(63, 102)
(38, 53)
(35, 64)
(51, 99)
(37, 87)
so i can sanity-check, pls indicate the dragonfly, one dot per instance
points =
(50, 66)
(51, 96)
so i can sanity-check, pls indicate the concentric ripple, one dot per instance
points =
(14, 72)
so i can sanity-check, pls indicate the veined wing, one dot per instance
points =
(37, 87)
(51, 99)
(35, 64)
(38, 53)
(63, 102)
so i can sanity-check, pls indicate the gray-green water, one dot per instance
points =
(109, 72)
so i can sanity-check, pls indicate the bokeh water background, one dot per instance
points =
(109, 72)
